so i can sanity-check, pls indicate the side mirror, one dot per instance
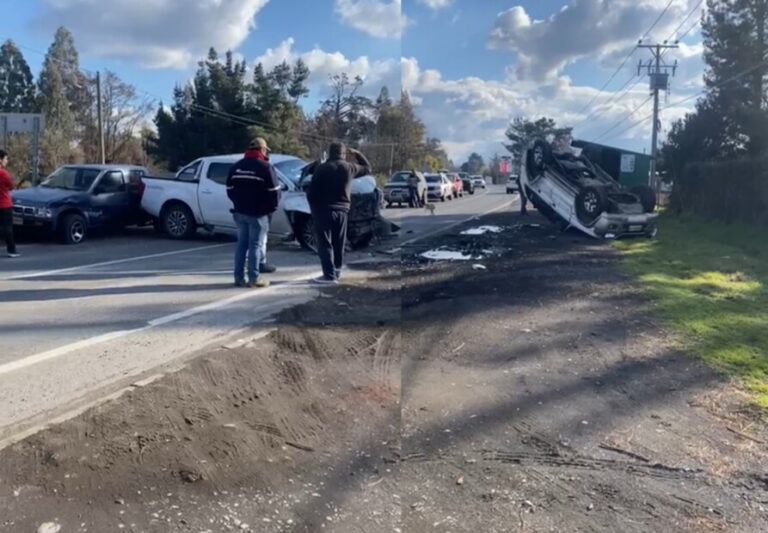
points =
(283, 186)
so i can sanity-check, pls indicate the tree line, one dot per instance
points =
(217, 112)
(718, 153)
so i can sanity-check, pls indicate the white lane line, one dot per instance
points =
(114, 262)
(99, 339)
(460, 222)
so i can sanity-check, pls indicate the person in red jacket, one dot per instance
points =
(6, 206)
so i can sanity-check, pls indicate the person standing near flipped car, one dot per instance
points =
(523, 197)
(330, 197)
(253, 187)
(413, 189)
(6, 206)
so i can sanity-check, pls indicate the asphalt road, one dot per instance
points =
(77, 323)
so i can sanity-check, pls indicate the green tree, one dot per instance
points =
(218, 112)
(474, 165)
(736, 49)
(79, 90)
(17, 88)
(59, 134)
(523, 131)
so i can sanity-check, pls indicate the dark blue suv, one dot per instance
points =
(77, 198)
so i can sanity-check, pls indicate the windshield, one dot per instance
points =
(72, 179)
(431, 178)
(401, 177)
(291, 169)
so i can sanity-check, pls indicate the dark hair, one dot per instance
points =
(3, 154)
(336, 150)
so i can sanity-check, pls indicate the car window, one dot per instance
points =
(112, 181)
(72, 179)
(189, 173)
(219, 172)
(434, 179)
(290, 169)
(400, 177)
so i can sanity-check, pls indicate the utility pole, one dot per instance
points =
(658, 73)
(102, 151)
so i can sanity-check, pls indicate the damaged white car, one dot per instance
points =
(570, 190)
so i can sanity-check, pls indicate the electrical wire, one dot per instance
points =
(624, 62)
(627, 117)
(213, 113)
(700, 93)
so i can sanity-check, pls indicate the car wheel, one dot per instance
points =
(305, 234)
(73, 229)
(388, 206)
(590, 203)
(178, 222)
(647, 197)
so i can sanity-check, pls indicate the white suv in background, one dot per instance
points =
(439, 187)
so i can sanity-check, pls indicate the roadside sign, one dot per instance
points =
(627, 163)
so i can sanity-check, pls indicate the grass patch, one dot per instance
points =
(710, 283)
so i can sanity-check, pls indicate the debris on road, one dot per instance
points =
(446, 255)
(482, 230)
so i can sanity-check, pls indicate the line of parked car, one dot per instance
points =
(439, 186)
(77, 199)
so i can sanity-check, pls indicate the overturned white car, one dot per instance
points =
(570, 190)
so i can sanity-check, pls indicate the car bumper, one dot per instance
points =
(397, 195)
(611, 226)
(30, 221)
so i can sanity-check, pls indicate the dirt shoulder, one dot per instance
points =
(542, 395)
(528, 390)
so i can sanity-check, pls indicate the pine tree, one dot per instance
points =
(17, 89)
(736, 50)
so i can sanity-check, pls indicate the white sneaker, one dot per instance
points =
(14, 255)
(324, 281)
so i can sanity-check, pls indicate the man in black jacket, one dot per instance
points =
(330, 197)
(253, 187)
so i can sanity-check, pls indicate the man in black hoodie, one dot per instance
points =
(330, 197)
(253, 187)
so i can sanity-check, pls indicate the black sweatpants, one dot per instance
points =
(6, 228)
(331, 228)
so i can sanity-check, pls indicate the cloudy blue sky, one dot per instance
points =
(470, 65)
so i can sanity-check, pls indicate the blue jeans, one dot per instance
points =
(251, 242)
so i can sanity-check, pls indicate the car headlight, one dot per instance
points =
(43, 212)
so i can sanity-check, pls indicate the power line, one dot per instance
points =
(690, 13)
(213, 113)
(624, 62)
(613, 98)
(658, 19)
(696, 95)
(627, 117)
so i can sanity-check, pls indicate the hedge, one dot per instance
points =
(726, 191)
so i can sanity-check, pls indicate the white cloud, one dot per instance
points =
(471, 114)
(378, 18)
(581, 29)
(157, 33)
(324, 64)
(436, 4)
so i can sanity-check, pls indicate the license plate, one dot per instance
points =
(635, 228)
(17, 221)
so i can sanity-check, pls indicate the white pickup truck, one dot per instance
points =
(197, 198)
